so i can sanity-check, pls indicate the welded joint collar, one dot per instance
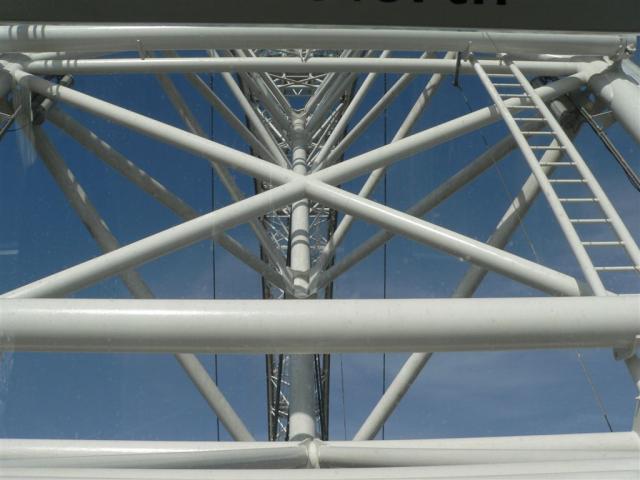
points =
(313, 456)
(626, 353)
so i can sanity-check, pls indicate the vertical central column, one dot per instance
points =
(302, 415)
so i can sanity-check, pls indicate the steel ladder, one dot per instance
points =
(511, 93)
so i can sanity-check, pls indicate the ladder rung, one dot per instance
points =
(528, 107)
(629, 268)
(556, 164)
(538, 133)
(566, 180)
(603, 244)
(507, 85)
(501, 75)
(529, 119)
(590, 220)
(535, 147)
(579, 200)
(514, 95)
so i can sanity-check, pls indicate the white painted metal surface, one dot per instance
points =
(299, 90)
(303, 326)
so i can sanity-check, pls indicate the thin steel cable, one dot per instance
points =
(213, 248)
(594, 389)
(385, 250)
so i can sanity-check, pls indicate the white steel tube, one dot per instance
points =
(374, 178)
(335, 90)
(380, 106)
(329, 457)
(302, 423)
(160, 131)
(258, 87)
(107, 242)
(621, 91)
(346, 117)
(338, 173)
(276, 98)
(372, 457)
(232, 158)
(13, 449)
(429, 202)
(605, 204)
(330, 79)
(512, 266)
(617, 469)
(633, 364)
(223, 173)
(392, 396)
(303, 326)
(267, 458)
(416, 362)
(578, 249)
(81, 38)
(84, 208)
(510, 221)
(151, 186)
(254, 121)
(423, 100)
(201, 228)
(120, 163)
(431, 137)
(248, 65)
(189, 142)
(227, 114)
(619, 441)
(214, 397)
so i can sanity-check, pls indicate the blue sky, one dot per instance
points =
(149, 397)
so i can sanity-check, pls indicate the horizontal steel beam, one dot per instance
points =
(295, 456)
(370, 457)
(45, 448)
(102, 38)
(191, 455)
(616, 469)
(289, 65)
(311, 326)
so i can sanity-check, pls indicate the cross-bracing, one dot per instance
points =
(299, 91)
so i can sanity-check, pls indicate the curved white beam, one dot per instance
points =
(288, 64)
(80, 38)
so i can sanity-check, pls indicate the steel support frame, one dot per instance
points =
(302, 326)
(313, 185)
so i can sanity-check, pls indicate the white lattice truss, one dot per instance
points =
(299, 89)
